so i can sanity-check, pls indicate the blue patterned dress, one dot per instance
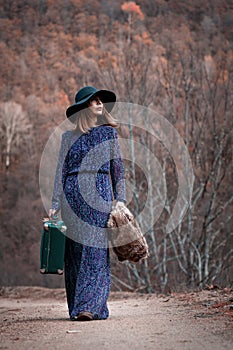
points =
(89, 175)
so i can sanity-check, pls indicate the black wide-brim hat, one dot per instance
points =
(85, 94)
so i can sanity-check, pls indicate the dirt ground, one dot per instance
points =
(37, 318)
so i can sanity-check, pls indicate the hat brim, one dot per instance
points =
(107, 97)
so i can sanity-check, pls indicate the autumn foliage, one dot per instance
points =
(172, 56)
(133, 8)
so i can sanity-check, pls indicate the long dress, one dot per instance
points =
(89, 175)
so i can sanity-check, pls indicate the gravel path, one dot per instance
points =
(37, 318)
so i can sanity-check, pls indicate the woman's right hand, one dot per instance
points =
(52, 212)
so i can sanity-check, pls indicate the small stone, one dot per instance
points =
(72, 331)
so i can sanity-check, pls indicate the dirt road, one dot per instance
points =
(37, 318)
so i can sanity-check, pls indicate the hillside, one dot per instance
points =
(175, 56)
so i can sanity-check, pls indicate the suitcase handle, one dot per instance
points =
(55, 222)
(54, 218)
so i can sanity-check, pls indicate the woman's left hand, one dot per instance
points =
(52, 212)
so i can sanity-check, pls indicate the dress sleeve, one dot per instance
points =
(117, 170)
(60, 174)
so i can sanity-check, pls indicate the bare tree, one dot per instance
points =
(200, 100)
(14, 129)
(193, 92)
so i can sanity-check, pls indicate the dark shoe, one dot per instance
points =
(83, 316)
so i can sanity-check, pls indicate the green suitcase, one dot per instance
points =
(52, 248)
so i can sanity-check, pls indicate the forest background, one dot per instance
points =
(173, 56)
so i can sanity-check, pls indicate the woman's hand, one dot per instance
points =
(120, 206)
(52, 212)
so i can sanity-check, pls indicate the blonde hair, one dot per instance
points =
(85, 120)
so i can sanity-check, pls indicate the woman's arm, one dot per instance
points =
(60, 175)
(117, 170)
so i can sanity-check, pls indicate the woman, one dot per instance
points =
(89, 175)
